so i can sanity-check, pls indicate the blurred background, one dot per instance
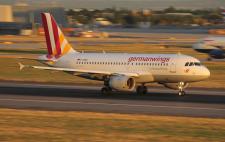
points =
(190, 27)
(22, 17)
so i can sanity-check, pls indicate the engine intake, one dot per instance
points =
(217, 54)
(122, 83)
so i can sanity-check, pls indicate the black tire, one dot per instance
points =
(106, 90)
(181, 93)
(141, 90)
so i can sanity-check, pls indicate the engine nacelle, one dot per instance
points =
(217, 54)
(122, 83)
(174, 86)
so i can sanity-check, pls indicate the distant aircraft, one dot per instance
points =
(119, 71)
(214, 46)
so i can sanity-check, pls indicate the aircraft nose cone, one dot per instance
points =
(206, 72)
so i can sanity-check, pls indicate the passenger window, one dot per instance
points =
(197, 64)
(187, 64)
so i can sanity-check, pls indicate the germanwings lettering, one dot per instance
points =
(149, 59)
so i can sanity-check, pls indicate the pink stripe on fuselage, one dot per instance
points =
(47, 37)
(56, 36)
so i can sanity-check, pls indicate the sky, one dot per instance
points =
(130, 4)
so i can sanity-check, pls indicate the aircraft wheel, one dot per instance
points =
(141, 90)
(181, 93)
(106, 90)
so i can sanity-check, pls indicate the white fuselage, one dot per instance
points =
(164, 68)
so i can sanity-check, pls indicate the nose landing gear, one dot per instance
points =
(181, 89)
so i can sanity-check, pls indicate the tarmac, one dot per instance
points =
(159, 101)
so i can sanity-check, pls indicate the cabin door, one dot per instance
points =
(173, 68)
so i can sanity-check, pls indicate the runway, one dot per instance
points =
(159, 101)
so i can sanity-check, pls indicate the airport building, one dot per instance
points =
(21, 13)
(21, 18)
(7, 14)
(8, 25)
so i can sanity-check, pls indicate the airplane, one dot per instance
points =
(214, 46)
(118, 71)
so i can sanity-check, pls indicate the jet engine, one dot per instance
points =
(122, 83)
(174, 86)
(217, 54)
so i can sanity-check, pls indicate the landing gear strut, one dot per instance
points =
(106, 89)
(141, 90)
(181, 89)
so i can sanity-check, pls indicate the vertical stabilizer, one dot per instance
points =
(56, 42)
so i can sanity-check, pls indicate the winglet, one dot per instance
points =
(21, 66)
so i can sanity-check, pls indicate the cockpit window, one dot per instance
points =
(186, 64)
(197, 64)
(191, 64)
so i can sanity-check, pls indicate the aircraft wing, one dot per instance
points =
(79, 70)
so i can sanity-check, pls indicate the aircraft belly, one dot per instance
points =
(178, 78)
(145, 78)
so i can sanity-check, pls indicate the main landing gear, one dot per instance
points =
(141, 90)
(181, 89)
(106, 90)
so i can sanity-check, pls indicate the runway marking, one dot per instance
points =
(113, 104)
